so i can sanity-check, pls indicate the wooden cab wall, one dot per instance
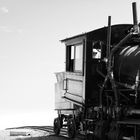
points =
(82, 82)
(70, 86)
(75, 70)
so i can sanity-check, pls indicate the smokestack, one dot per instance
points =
(108, 36)
(134, 8)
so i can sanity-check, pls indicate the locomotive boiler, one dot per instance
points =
(98, 95)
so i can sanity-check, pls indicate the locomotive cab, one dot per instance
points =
(82, 66)
(77, 89)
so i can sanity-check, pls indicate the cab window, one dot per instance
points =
(96, 54)
(96, 50)
(74, 58)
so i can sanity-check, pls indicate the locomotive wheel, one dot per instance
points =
(101, 130)
(57, 126)
(71, 128)
(114, 133)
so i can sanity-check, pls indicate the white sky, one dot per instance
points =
(30, 51)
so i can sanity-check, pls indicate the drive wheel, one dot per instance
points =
(57, 126)
(100, 130)
(114, 133)
(71, 128)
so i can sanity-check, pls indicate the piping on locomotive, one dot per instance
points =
(99, 92)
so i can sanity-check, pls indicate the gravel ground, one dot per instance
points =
(21, 134)
(30, 134)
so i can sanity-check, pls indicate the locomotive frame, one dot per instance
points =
(88, 97)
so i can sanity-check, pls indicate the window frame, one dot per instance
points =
(69, 54)
(96, 45)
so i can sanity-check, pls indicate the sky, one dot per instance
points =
(31, 51)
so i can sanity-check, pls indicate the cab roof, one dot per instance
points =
(118, 31)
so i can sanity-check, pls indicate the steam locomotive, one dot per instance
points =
(98, 95)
